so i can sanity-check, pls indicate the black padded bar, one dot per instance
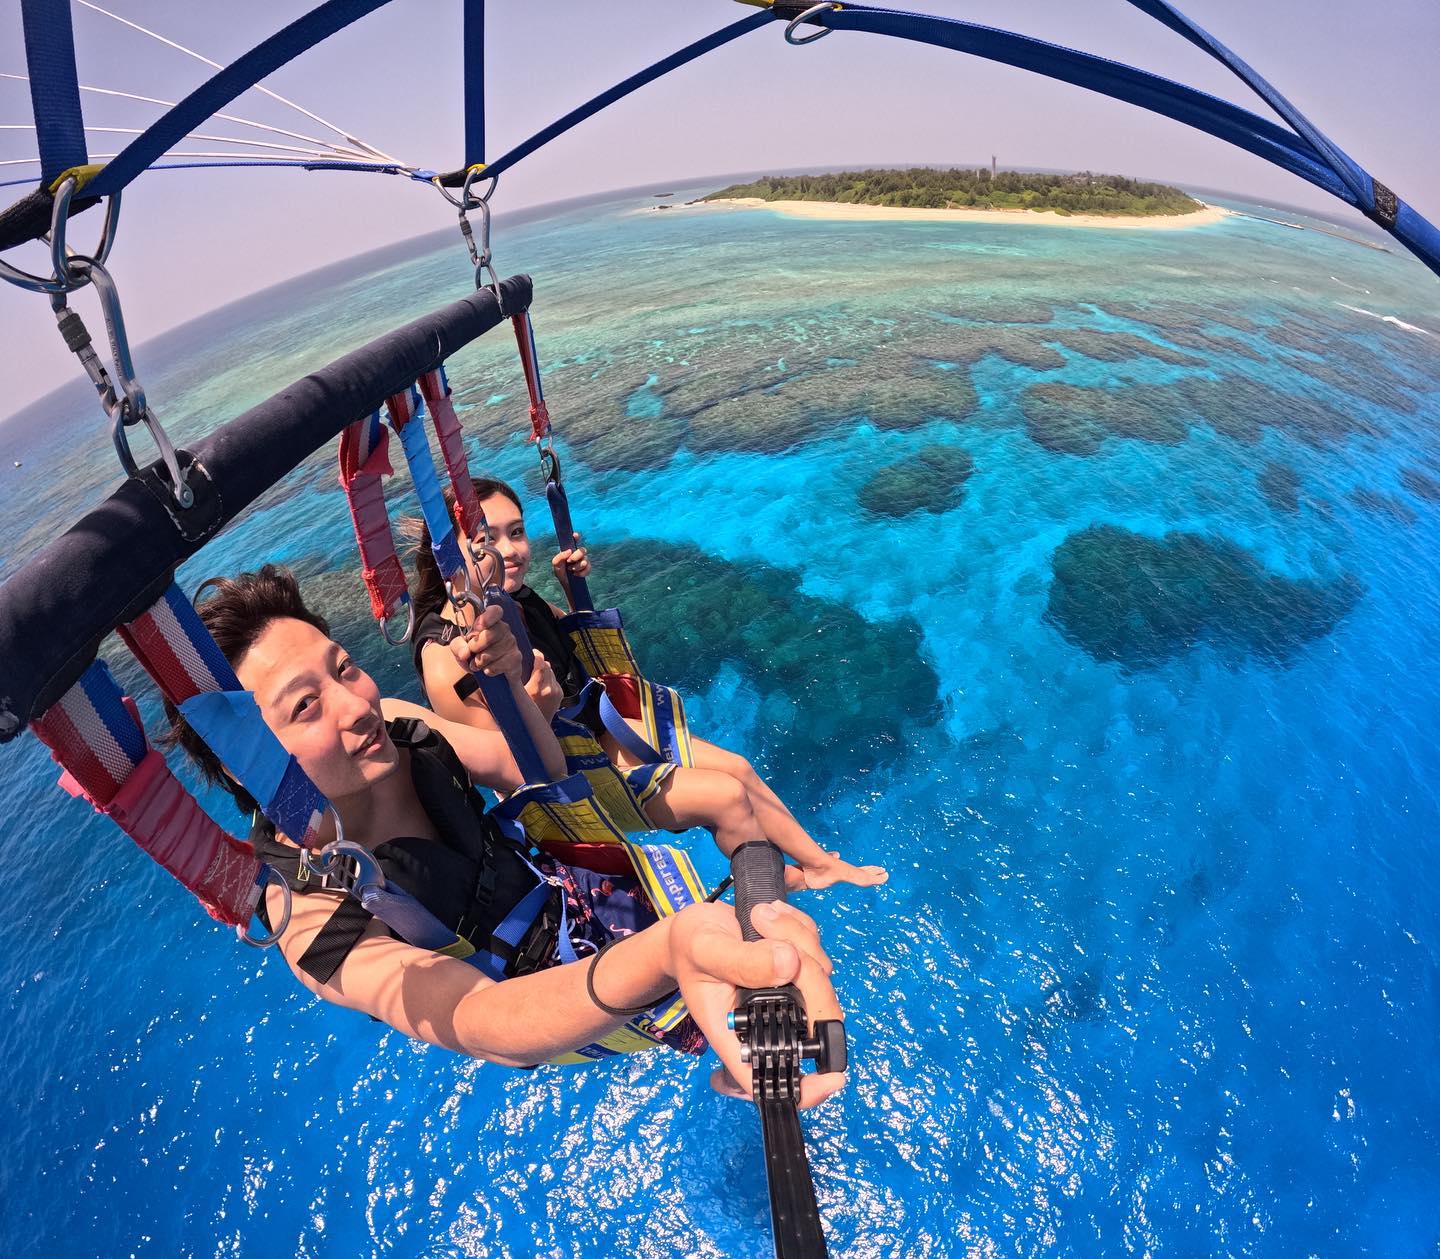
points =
(116, 560)
(759, 871)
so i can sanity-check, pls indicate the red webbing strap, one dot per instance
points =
(529, 360)
(93, 732)
(364, 462)
(169, 824)
(452, 449)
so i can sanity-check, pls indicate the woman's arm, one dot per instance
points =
(488, 647)
(482, 748)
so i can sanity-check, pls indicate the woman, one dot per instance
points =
(328, 714)
(670, 795)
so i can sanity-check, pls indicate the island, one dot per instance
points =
(1083, 198)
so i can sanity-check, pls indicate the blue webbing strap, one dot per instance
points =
(421, 463)
(1309, 154)
(54, 86)
(474, 48)
(232, 727)
(225, 85)
(514, 926)
(1381, 205)
(619, 730)
(446, 549)
(580, 597)
(1354, 178)
(381, 168)
(675, 60)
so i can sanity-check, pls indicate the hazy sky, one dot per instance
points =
(193, 240)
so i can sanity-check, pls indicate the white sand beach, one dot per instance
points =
(1203, 216)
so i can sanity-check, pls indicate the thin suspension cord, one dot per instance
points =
(236, 160)
(279, 158)
(235, 118)
(190, 52)
(199, 135)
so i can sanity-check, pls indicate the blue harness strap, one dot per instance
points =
(620, 730)
(622, 89)
(473, 44)
(232, 727)
(405, 409)
(54, 87)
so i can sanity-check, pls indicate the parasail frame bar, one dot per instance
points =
(117, 559)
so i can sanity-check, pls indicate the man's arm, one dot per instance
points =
(449, 1003)
(533, 1018)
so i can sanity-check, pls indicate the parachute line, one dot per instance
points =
(235, 118)
(190, 52)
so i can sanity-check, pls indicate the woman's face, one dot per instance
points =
(321, 705)
(507, 535)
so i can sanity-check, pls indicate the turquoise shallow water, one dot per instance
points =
(1086, 578)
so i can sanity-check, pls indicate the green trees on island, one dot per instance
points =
(922, 187)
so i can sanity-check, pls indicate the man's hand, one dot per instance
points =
(489, 647)
(711, 962)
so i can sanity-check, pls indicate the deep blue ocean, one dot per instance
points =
(1085, 578)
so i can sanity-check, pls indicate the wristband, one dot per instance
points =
(616, 1011)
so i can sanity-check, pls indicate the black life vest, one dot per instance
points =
(540, 623)
(545, 633)
(470, 879)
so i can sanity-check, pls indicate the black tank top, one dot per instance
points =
(545, 633)
(540, 623)
(470, 879)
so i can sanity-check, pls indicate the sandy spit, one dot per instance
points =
(1202, 217)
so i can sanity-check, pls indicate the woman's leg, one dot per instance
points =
(699, 797)
(776, 822)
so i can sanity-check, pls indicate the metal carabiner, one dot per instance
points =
(828, 6)
(271, 875)
(409, 624)
(64, 279)
(127, 406)
(344, 865)
(497, 582)
(549, 461)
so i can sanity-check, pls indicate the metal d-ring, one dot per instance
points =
(65, 279)
(827, 6)
(409, 624)
(468, 199)
(271, 875)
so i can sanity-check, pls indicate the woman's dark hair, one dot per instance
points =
(236, 611)
(429, 585)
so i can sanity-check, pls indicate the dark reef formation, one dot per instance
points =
(1280, 484)
(1140, 601)
(1075, 420)
(1421, 484)
(932, 479)
(1378, 504)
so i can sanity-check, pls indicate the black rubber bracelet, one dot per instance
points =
(613, 1010)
